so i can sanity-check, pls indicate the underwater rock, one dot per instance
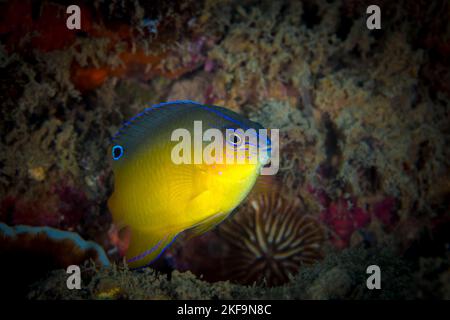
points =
(53, 241)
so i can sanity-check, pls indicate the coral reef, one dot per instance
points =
(344, 217)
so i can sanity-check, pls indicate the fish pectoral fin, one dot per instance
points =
(207, 224)
(146, 246)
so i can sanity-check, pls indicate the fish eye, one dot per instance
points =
(117, 152)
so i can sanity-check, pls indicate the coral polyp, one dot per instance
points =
(270, 239)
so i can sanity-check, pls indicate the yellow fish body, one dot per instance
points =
(158, 199)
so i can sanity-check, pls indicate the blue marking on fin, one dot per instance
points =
(146, 110)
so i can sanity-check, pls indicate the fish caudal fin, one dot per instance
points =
(146, 246)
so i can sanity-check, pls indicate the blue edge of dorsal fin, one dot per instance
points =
(179, 102)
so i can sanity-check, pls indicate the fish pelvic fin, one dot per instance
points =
(146, 246)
